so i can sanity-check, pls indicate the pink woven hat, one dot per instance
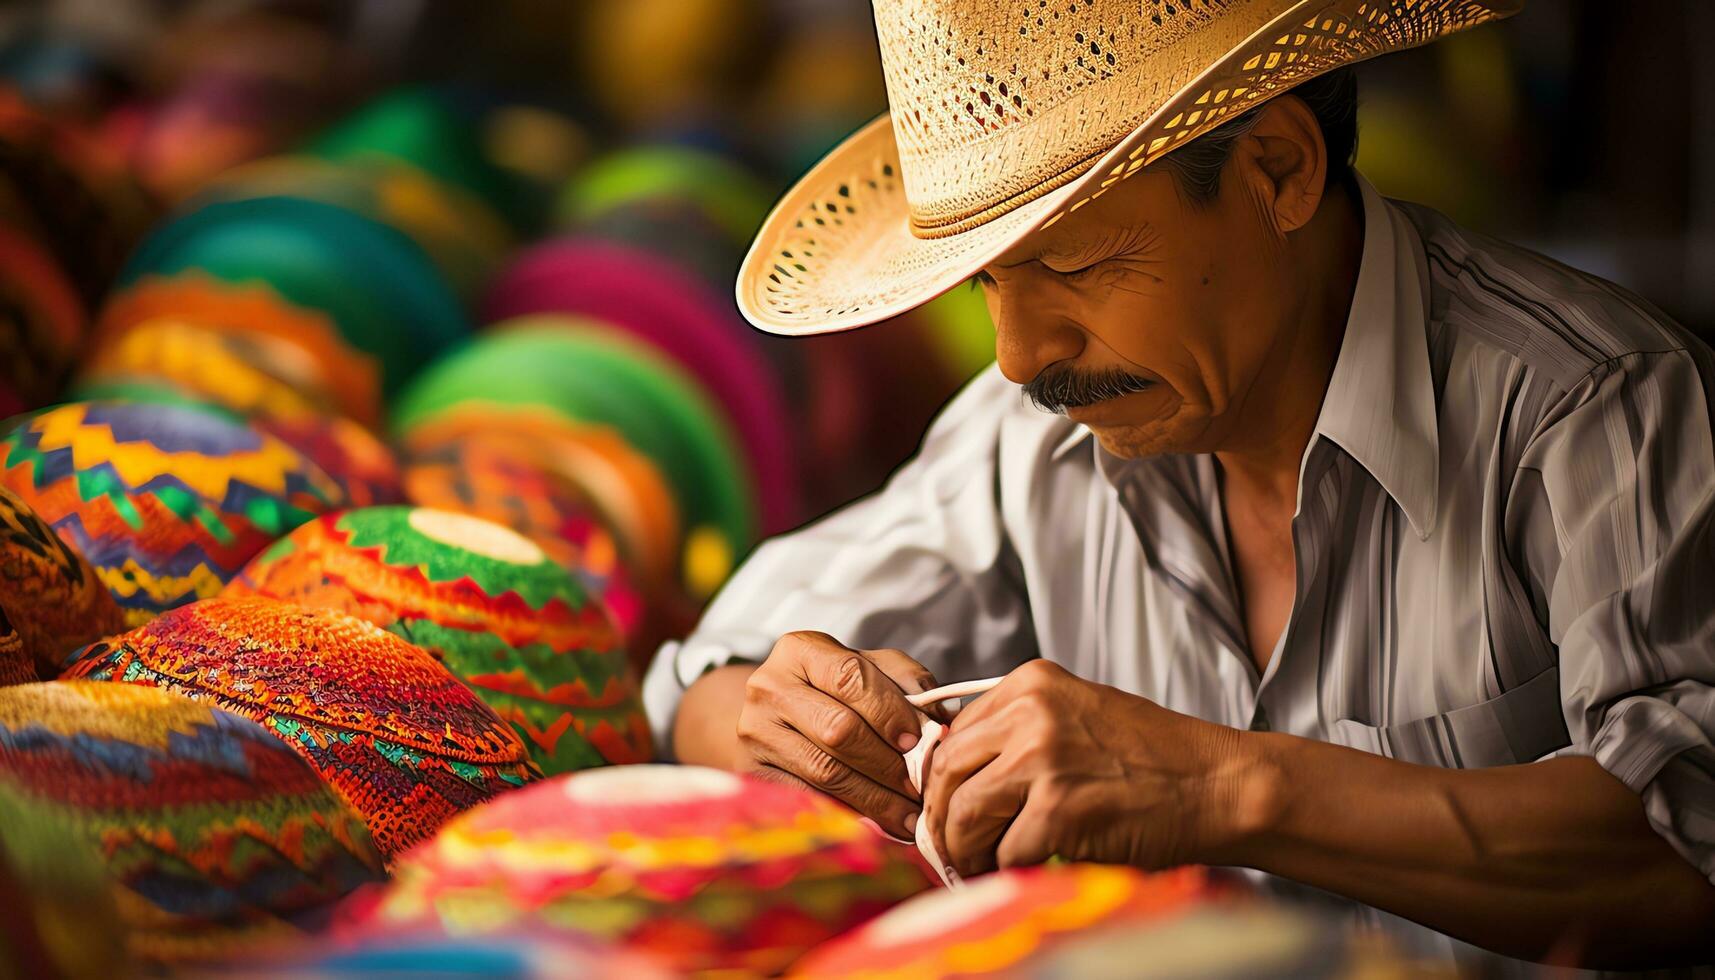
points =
(656, 302)
(1007, 115)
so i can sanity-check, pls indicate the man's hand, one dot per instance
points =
(1050, 764)
(817, 713)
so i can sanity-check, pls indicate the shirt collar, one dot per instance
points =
(1380, 402)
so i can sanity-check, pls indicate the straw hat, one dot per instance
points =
(1009, 114)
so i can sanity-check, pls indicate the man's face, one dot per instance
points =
(1144, 316)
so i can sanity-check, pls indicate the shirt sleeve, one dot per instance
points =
(1628, 470)
(924, 566)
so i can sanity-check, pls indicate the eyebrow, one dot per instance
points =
(1081, 254)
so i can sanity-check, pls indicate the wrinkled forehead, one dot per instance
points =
(1147, 199)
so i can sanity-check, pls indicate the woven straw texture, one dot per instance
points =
(529, 480)
(50, 599)
(396, 734)
(487, 603)
(167, 502)
(705, 869)
(213, 832)
(1008, 114)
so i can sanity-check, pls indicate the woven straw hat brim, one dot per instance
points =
(838, 251)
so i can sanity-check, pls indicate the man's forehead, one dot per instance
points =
(1126, 204)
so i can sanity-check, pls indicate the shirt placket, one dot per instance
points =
(1177, 519)
(1312, 535)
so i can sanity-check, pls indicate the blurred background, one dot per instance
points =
(1582, 127)
(481, 255)
(267, 265)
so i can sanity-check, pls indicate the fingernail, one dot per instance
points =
(911, 825)
(907, 741)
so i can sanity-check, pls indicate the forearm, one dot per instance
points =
(705, 731)
(1551, 860)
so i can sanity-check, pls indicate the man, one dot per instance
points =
(1364, 551)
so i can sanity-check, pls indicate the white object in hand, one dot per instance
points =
(917, 762)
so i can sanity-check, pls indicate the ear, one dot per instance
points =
(1288, 162)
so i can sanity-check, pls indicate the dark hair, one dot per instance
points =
(1332, 97)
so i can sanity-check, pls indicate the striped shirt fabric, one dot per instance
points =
(1505, 541)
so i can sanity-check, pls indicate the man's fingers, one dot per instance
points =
(1029, 840)
(911, 676)
(800, 758)
(959, 755)
(854, 680)
(840, 732)
(978, 813)
(1034, 678)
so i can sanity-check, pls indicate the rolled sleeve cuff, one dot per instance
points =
(1667, 759)
(676, 667)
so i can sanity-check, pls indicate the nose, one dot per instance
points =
(1031, 330)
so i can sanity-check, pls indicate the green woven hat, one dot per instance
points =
(730, 195)
(415, 126)
(488, 603)
(387, 298)
(591, 374)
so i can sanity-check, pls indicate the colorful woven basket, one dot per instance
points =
(732, 197)
(385, 295)
(360, 463)
(252, 374)
(166, 502)
(592, 502)
(704, 869)
(486, 602)
(304, 344)
(417, 128)
(595, 376)
(51, 601)
(463, 236)
(61, 920)
(997, 923)
(649, 299)
(214, 833)
(396, 734)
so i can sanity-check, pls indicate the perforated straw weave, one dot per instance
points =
(1007, 115)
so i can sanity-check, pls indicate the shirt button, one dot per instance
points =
(1259, 721)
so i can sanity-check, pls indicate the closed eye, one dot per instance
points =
(1077, 274)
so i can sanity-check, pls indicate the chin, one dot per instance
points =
(1139, 441)
(1173, 432)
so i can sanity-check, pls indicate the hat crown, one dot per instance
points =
(991, 98)
(996, 101)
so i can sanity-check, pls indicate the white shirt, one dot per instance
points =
(1505, 540)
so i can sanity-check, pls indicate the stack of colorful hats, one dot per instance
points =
(355, 527)
(858, 402)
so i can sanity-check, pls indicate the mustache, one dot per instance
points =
(1058, 388)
